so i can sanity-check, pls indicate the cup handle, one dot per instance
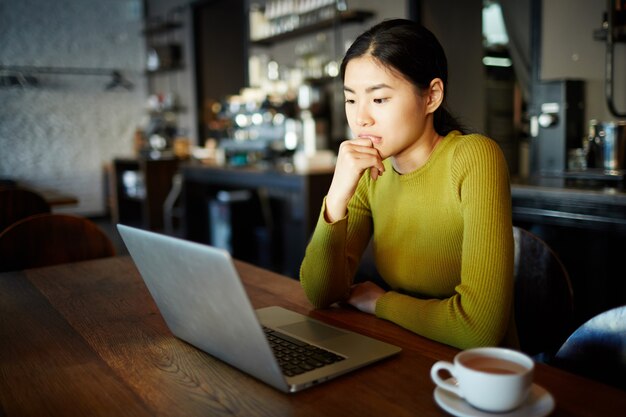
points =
(448, 386)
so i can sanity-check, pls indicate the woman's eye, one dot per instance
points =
(380, 100)
(349, 101)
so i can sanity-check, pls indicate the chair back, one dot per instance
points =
(51, 239)
(18, 203)
(544, 304)
(597, 349)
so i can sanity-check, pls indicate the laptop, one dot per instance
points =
(203, 301)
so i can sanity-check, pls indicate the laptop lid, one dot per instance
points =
(203, 301)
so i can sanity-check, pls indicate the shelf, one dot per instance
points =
(165, 70)
(172, 110)
(600, 35)
(161, 28)
(342, 17)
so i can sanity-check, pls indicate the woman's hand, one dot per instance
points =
(364, 296)
(354, 157)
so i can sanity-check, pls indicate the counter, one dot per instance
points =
(570, 203)
(275, 217)
(585, 224)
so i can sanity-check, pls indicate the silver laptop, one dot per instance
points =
(202, 299)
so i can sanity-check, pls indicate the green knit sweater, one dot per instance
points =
(443, 242)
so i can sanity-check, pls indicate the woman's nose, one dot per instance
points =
(363, 118)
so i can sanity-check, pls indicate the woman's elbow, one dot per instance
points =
(484, 334)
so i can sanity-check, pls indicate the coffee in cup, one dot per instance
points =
(491, 379)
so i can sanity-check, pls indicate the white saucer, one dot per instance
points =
(539, 404)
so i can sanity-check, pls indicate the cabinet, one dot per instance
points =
(280, 215)
(140, 187)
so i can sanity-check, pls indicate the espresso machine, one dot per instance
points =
(556, 125)
(561, 144)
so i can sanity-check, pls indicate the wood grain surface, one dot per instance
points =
(86, 339)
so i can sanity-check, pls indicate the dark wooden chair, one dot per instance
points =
(544, 302)
(51, 239)
(597, 349)
(18, 203)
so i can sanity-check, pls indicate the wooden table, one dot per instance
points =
(53, 197)
(57, 198)
(86, 339)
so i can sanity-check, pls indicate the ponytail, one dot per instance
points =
(444, 122)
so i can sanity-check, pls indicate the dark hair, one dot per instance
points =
(414, 52)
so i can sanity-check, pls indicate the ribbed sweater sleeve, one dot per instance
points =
(333, 254)
(442, 241)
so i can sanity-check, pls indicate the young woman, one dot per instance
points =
(435, 202)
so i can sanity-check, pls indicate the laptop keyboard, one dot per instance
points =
(295, 356)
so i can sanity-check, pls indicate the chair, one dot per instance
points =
(18, 203)
(544, 305)
(597, 349)
(51, 239)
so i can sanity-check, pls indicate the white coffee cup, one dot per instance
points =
(491, 379)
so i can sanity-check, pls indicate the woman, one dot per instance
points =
(435, 202)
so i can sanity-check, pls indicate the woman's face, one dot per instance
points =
(384, 107)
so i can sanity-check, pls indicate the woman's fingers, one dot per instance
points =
(362, 155)
(355, 156)
(375, 173)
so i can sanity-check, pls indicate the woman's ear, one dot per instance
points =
(435, 95)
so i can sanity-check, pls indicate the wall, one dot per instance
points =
(458, 26)
(569, 51)
(61, 133)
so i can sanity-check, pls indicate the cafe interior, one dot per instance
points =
(219, 121)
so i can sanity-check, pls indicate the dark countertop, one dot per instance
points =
(252, 176)
(555, 188)
(569, 202)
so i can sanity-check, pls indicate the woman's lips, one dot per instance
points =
(376, 140)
